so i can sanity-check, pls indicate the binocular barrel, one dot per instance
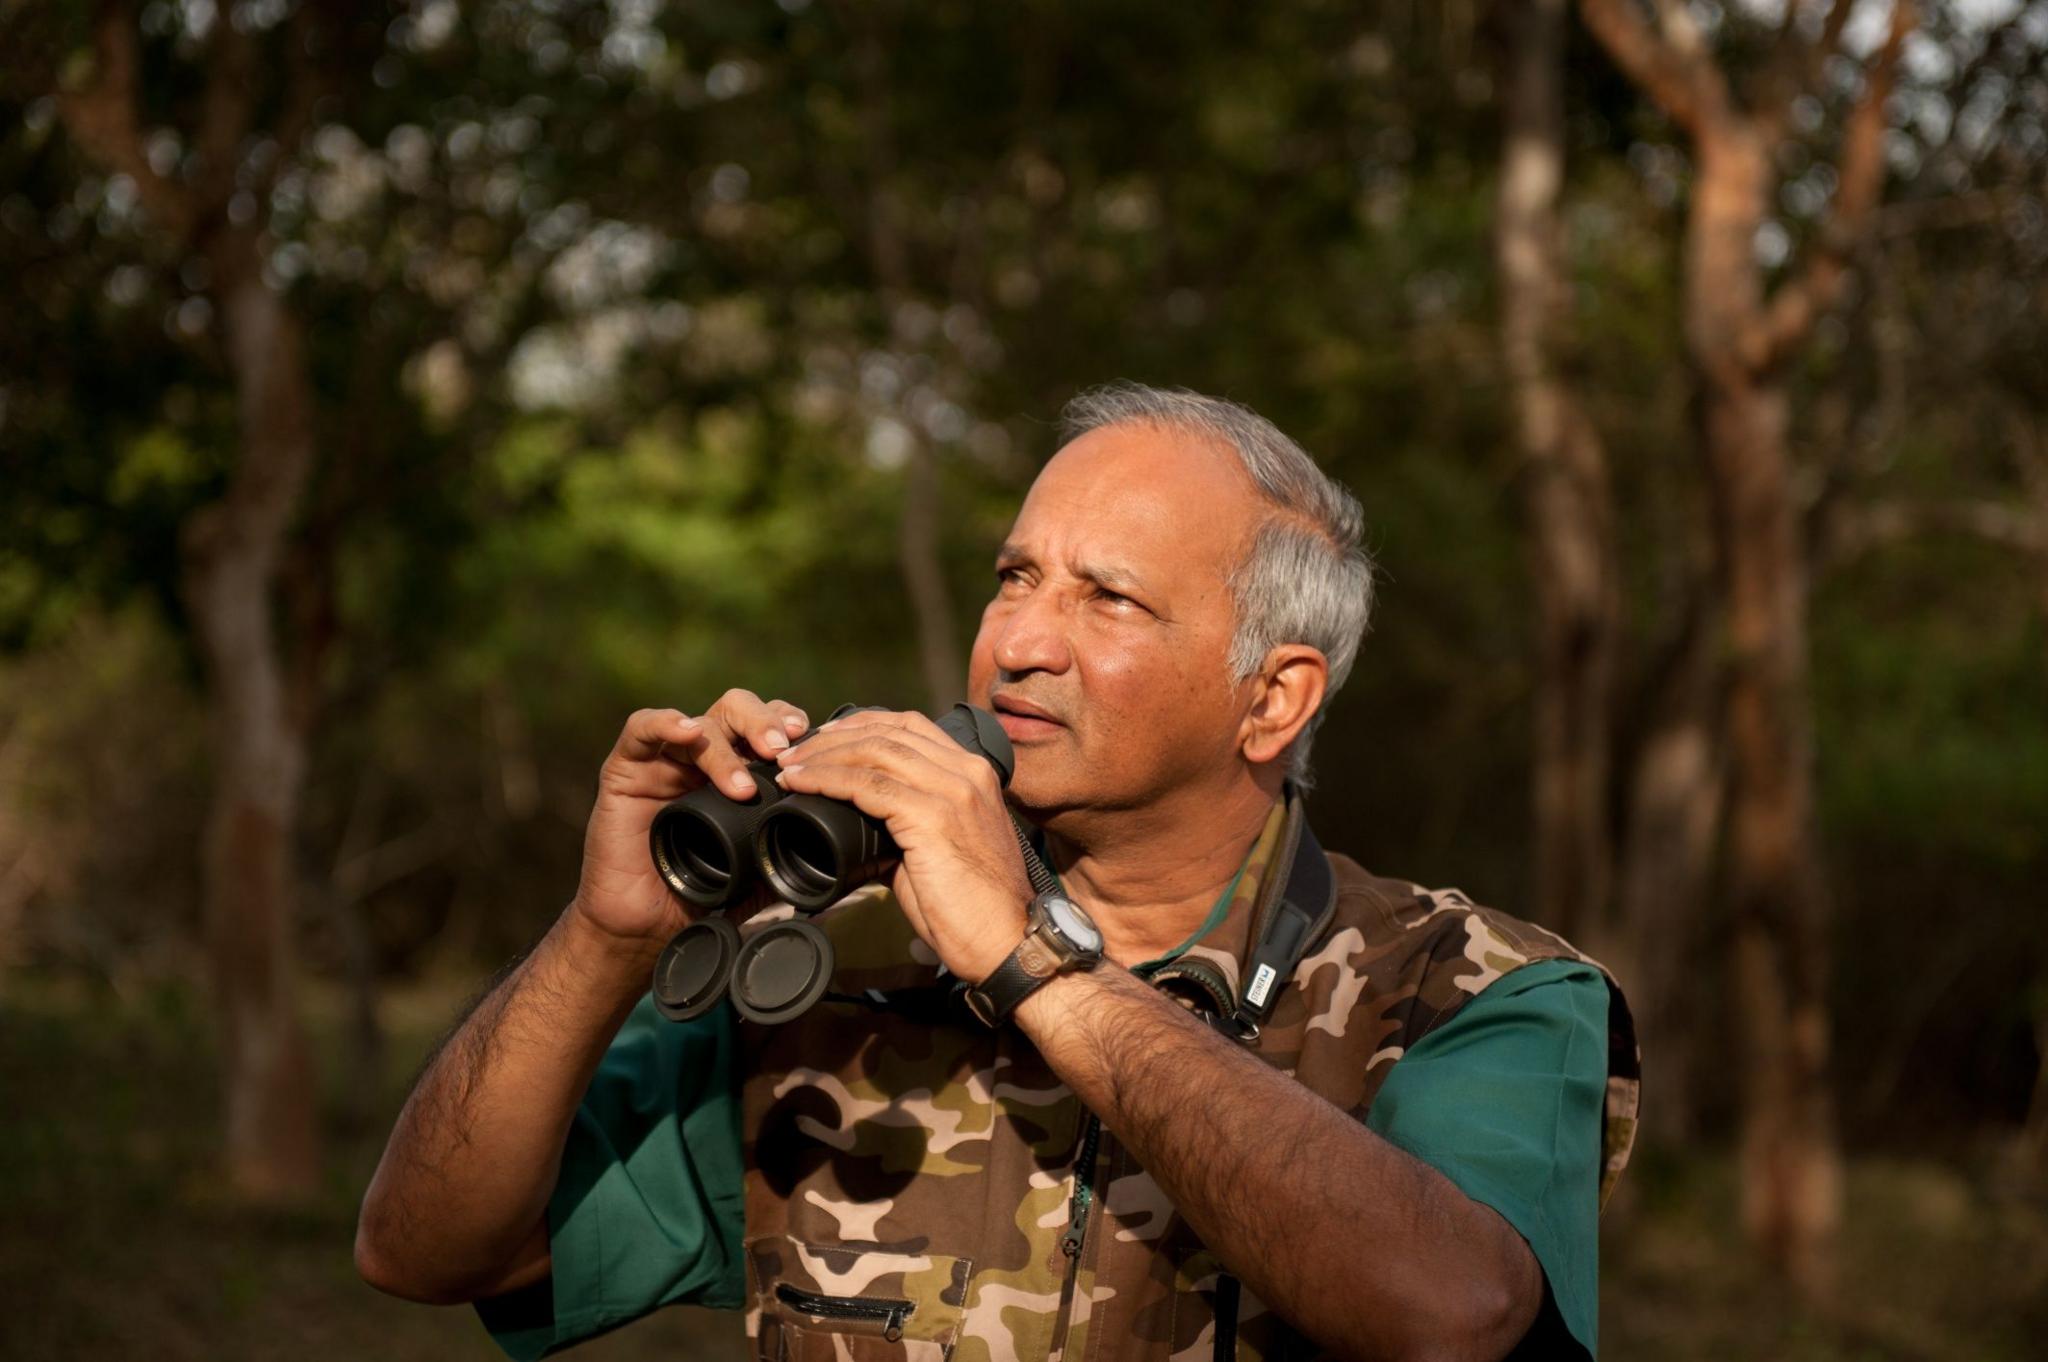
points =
(704, 843)
(812, 851)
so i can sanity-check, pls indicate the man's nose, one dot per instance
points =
(1033, 637)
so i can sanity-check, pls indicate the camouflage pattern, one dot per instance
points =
(911, 1173)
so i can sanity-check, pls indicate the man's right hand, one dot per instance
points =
(458, 1206)
(661, 755)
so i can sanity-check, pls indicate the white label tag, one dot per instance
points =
(1262, 984)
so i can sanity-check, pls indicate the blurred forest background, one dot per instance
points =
(394, 396)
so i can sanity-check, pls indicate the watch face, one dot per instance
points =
(1073, 925)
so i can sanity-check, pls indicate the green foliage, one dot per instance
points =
(621, 320)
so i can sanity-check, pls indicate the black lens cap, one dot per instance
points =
(694, 968)
(781, 971)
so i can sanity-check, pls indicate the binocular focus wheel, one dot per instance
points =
(781, 971)
(695, 968)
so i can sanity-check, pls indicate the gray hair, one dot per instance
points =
(1305, 579)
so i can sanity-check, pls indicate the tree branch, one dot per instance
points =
(1859, 182)
(227, 110)
(1682, 82)
(1797, 65)
(100, 117)
(1856, 532)
(305, 85)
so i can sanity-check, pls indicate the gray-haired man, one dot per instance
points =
(1165, 1129)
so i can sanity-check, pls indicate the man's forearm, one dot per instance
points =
(1361, 1246)
(454, 1209)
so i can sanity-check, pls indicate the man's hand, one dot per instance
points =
(457, 1209)
(663, 754)
(962, 882)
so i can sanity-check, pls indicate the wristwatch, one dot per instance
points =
(1059, 938)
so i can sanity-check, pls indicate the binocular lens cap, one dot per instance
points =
(695, 968)
(781, 971)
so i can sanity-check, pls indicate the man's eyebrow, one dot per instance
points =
(1102, 574)
(1106, 574)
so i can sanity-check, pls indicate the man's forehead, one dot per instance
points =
(1140, 483)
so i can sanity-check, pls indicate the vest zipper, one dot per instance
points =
(1084, 1190)
(1077, 1224)
(890, 1312)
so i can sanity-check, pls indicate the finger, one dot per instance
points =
(647, 730)
(895, 747)
(876, 718)
(896, 758)
(897, 750)
(908, 723)
(724, 765)
(762, 726)
(874, 791)
(668, 778)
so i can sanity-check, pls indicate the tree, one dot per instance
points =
(232, 550)
(1741, 337)
(1568, 497)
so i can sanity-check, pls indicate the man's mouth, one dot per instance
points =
(1023, 720)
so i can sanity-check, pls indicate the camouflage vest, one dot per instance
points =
(919, 1186)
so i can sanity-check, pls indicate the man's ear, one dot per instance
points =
(1286, 694)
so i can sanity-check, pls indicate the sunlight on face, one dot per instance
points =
(1105, 648)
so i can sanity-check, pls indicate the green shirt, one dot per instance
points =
(1504, 1099)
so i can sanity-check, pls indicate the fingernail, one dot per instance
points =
(795, 723)
(782, 778)
(774, 741)
(743, 783)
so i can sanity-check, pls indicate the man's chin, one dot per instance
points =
(1036, 793)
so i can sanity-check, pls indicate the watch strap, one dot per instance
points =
(996, 997)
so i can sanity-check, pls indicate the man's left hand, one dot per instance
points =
(962, 882)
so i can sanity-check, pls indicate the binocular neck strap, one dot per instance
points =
(1042, 881)
(1294, 918)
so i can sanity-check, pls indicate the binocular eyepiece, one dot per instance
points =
(810, 851)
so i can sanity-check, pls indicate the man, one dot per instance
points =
(1216, 1095)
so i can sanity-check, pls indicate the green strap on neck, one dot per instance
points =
(1209, 924)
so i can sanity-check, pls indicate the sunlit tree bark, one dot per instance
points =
(1740, 337)
(231, 558)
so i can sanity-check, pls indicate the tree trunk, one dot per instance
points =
(231, 558)
(1666, 876)
(1567, 495)
(924, 574)
(2034, 1134)
(1791, 1176)
(919, 535)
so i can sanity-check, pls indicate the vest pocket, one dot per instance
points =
(857, 1301)
(889, 1313)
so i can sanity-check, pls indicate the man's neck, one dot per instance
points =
(1149, 877)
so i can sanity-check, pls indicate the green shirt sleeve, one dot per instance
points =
(1505, 1100)
(649, 1205)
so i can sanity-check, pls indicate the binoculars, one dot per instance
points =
(810, 851)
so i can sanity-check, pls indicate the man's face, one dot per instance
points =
(1105, 651)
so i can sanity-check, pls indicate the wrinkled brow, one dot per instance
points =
(1108, 575)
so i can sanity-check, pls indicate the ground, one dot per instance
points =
(116, 1242)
